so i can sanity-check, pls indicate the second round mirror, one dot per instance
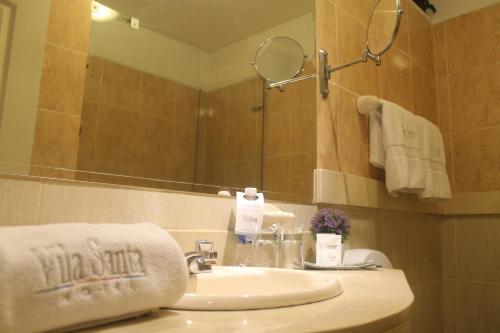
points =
(279, 58)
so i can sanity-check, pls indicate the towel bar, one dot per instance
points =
(367, 104)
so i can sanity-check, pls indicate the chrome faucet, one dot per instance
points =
(202, 259)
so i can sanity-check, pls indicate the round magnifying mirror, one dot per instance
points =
(279, 58)
(383, 26)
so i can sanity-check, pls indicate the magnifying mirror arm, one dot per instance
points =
(280, 84)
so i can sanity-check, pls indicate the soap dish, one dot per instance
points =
(369, 264)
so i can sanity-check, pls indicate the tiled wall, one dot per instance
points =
(468, 71)
(290, 140)
(230, 135)
(472, 274)
(406, 77)
(136, 124)
(63, 77)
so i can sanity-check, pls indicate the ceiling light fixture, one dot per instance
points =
(101, 13)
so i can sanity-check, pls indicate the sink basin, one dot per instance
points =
(246, 288)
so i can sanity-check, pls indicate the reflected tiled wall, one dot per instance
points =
(468, 71)
(63, 77)
(290, 140)
(406, 77)
(136, 124)
(230, 135)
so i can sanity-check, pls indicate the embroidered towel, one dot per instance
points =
(371, 106)
(56, 276)
(432, 154)
(403, 167)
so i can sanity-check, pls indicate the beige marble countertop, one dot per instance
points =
(372, 301)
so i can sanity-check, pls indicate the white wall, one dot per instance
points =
(145, 50)
(447, 9)
(23, 85)
(232, 63)
(151, 52)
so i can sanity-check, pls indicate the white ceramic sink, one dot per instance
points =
(246, 288)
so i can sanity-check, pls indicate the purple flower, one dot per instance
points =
(331, 221)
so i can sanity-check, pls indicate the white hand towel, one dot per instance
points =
(432, 154)
(371, 106)
(56, 276)
(377, 150)
(403, 167)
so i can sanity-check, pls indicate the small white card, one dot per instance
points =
(328, 250)
(249, 213)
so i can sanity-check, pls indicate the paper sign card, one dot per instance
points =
(328, 250)
(249, 213)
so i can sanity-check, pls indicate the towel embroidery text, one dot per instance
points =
(63, 268)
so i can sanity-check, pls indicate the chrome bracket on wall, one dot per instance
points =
(280, 84)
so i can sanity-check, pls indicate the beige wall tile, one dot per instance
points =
(158, 96)
(429, 308)
(400, 242)
(421, 41)
(244, 140)
(450, 318)
(63, 80)
(366, 228)
(56, 140)
(327, 131)
(469, 39)
(361, 78)
(394, 75)
(303, 129)
(217, 144)
(440, 49)
(19, 201)
(402, 39)
(429, 249)
(93, 77)
(444, 117)
(448, 246)
(277, 133)
(88, 128)
(360, 10)
(424, 93)
(326, 28)
(474, 98)
(186, 104)
(301, 175)
(276, 174)
(476, 159)
(477, 248)
(478, 306)
(121, 86)
(69, 23)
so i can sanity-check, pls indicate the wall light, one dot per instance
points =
(101, 13)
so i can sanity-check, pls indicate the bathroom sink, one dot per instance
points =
(246, 288)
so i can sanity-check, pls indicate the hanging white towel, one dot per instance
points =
(403, 167)
(432, 154)
(73, 275)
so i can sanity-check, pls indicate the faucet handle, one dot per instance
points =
(204, 245)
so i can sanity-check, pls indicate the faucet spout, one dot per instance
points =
(201, 261)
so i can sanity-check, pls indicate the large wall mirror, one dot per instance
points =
(168, 96)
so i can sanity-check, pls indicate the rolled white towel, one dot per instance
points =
(65, 275)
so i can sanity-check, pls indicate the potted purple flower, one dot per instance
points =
(330, 228)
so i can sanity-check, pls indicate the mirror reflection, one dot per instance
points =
(279, 59)
(163, 95)
(382, 26)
